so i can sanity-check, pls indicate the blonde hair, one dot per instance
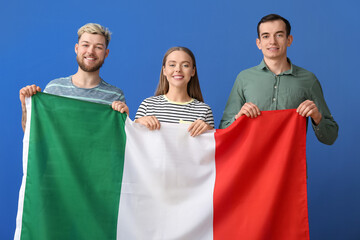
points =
(94, 28)
(193, 87)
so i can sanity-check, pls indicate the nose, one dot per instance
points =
(90, 49)
(177, 68)
(273, 39)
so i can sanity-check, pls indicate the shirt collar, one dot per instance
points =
(291, 71)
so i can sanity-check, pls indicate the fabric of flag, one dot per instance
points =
(92, 173)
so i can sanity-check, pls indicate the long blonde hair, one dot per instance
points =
(193, 87)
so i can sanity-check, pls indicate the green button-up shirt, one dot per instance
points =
(275, 92)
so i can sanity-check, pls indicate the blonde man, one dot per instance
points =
(86, 84)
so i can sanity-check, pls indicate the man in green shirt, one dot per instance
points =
(278, 84)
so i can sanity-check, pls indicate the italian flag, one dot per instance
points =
(92, 173)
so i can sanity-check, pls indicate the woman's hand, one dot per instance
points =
(198, 127)
(151, 122)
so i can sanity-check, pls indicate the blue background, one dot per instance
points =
(37, 45)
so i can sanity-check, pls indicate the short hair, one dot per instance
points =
(193, 87)
(94, 28)
(274, 17)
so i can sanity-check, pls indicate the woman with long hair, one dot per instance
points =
(178, 97)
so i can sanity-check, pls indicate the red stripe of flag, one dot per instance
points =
(260, 190)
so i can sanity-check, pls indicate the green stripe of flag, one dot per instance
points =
(80, 176)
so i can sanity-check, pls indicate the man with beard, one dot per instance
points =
(86, 84)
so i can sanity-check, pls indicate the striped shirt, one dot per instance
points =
(173, 112)
(103, 93)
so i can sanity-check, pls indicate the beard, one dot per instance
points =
(85, 68)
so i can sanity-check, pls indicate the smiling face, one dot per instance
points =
(91, 52)
(178, 69)
(273, 41)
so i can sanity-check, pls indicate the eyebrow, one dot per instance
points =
(269, 33)
(84, 41)
(175, 61)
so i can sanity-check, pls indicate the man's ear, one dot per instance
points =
(258, 43)
(289, 40)
(76, 48)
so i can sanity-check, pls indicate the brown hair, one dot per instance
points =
(274, 17)
(193, 87)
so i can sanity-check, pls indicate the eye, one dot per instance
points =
(186, 65)
(265, 36)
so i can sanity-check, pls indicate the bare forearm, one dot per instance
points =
(25, 92)
(23, 118)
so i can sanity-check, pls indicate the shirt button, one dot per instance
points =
(275, 87)
(274, 99)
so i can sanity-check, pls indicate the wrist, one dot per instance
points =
(317, 119)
